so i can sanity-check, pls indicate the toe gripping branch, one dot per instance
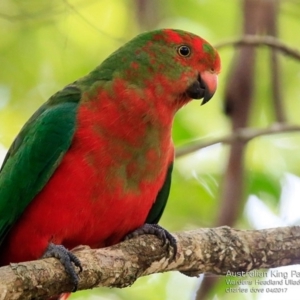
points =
(68, 260)
(158, 231)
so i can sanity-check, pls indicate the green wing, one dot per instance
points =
(35, 154)
(161, 200)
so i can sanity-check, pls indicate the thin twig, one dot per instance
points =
(244, 134)
(92, 25)
(255, 40)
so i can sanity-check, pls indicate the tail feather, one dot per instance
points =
(63, 296)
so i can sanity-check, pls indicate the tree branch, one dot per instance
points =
(271, 13)
(242, 134)
(237, 103)
(255, 40)
(216, 251)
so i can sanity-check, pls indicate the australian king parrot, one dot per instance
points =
(93, 164)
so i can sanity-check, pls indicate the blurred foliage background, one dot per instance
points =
(45, 45)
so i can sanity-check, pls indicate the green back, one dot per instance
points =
(35, 154)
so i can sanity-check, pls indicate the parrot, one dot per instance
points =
(93, 164)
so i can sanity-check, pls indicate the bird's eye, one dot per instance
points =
(184, 51)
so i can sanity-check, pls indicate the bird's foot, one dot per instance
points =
(165, 236)
(68, 260)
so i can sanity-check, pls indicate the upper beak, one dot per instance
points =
(208, 82)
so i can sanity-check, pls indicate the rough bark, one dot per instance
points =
(216, 251)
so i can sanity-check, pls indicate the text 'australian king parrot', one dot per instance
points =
(93, 164)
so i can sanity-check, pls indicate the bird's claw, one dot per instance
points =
(67, 258)
(158, 231)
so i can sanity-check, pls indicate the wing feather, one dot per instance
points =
(35, 154)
